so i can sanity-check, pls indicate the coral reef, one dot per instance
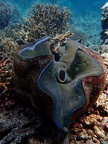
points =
(39, 76)
(19, 121)
(15, 34)
(7, 49)
(104, 21)
(8, 13)
(29, 126)
(45, 20)
(103, 49)
(93, 126)
(14, 123)
(42, 20)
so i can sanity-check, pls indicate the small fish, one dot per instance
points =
(104, 6)
(79, 40)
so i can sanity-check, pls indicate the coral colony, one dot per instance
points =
(104, 19)
(46, 77)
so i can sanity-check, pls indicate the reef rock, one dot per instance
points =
(104, 20)
(62, 88)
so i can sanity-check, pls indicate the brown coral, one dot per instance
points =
(42, 20)
(45, 20)
(7, 47)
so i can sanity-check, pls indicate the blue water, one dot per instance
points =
(85, 14)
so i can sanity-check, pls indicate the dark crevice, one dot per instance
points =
(5, 133)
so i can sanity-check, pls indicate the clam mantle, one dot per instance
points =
(61, 89)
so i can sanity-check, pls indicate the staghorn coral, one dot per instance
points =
(12, 32)
(4, 73)
(45, 20)
(52, 17)
(7, 89)
(6, 83)
(53, 85)
(42, 20)
(7, 47)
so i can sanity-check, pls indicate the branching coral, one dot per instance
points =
(4, 74)
(5, 14)
(7, 47)
(42, 20)
(45, 20)
(53, 18)
(31, 29)
(8, 13)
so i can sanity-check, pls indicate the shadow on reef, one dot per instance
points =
(43, 127)
(24, 122)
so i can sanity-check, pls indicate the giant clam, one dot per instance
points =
(61, 89)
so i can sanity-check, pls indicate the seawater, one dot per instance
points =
(85, 15)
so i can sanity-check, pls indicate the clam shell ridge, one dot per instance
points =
(62, 80)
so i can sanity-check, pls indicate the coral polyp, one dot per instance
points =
(62, 89)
